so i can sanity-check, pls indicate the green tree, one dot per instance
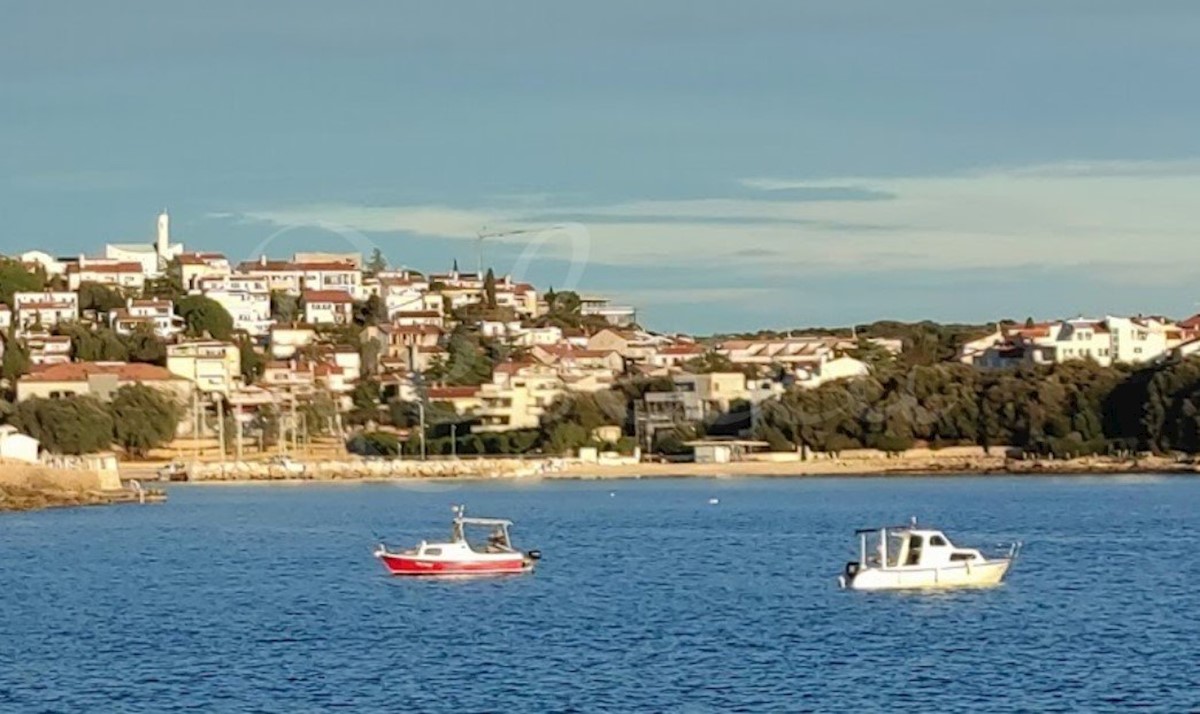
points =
(285, 308)
(99, 344)
(74, 425)
(143, 345)
(374, 443)
(489, 289)
(320, 413)
(143, 418)
(169, 286)
(467, 361)
(100, 298)
(253, 364)
(371, 311)
(16, 278)
(203, 316)
(367, 400)
(377, 263)
(16, 357)
(565, 437)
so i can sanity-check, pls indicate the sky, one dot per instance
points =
(721, 166)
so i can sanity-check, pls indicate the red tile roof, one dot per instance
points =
(338, 296)
(286, 266)
(106, 268)
(436, 393)
(198, 258)
(1191, 323)
(81, 371)
(512, 367)
(414, 329)
(324, 369)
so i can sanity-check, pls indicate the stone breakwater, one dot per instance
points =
(367, 469)
(25, 487)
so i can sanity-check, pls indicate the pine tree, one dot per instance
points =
(489, 289)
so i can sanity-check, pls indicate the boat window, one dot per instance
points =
(914, 550)
(937, 540)
(432, 551)
(955, 557)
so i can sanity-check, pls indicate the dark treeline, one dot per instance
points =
(1077, 408)
(1074, 409)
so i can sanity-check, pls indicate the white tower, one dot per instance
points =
(163, 244)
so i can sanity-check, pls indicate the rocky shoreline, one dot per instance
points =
(25, 487)
(534, 469)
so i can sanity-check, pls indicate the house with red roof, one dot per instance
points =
(328, 307)
(98, 379)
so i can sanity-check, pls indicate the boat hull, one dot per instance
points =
(984, 574)
(417, 566)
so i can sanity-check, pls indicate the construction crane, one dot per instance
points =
(484, 234)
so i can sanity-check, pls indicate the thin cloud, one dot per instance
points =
(1053, 215)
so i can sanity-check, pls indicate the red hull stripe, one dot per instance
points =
(416, 566)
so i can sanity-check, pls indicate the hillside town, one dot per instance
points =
(272, 353)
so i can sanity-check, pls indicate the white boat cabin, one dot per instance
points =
(497, 542)
(909, 547)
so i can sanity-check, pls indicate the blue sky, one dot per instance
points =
(722, 165)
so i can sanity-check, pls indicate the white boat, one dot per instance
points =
(458, 557)
(912, 558)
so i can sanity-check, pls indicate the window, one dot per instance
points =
(959, 557)
(914, 551)
(937, 540)
(432, 551)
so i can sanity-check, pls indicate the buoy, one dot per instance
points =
(612, 494)
(713, 501)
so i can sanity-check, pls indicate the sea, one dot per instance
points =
(666, 595)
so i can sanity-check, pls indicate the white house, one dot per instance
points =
(286, 341)
(517, 396)
(127, 275)
(831, 370)
(47, 308)
(211, 366)
(328, 307)
(48, 349)
(17, 446)
(48, 263)
(195, 266)
(1109, 341)
(159, 315)
(294, 277)
(251, 311)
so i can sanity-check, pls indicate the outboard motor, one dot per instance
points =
(848, 575)
(534, 554)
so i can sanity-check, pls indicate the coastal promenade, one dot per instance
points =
(920, 462)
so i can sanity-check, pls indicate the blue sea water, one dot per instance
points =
(649, 599)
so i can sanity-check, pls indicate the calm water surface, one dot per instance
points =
(267, 599)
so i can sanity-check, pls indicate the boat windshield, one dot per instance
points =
(496, 540)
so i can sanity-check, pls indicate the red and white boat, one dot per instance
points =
(459, 557)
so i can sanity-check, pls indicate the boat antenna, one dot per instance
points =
(914, 521)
